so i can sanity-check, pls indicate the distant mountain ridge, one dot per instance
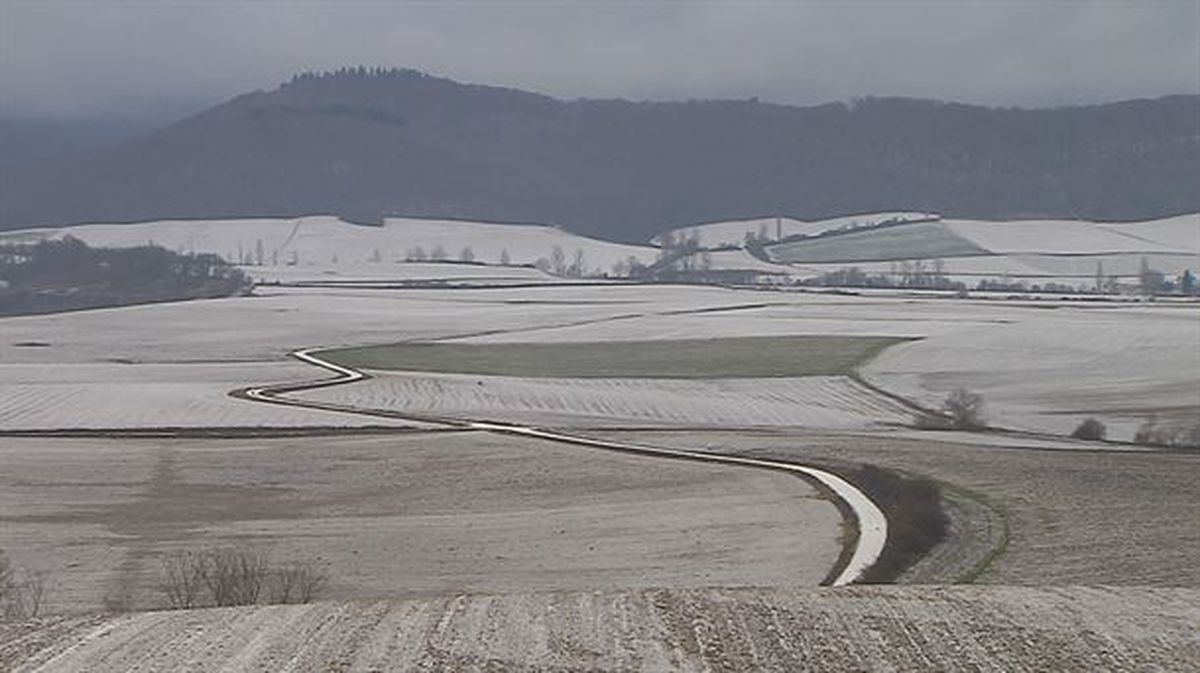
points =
(364, 144)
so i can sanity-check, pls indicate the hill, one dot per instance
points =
(894, 246)
(367, 144)
(1062, 252)
(845, 629)
(322, 247)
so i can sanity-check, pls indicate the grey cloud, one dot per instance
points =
(60, 57)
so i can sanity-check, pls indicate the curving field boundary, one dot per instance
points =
(868, 517)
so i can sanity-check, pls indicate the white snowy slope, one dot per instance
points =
(324, 246)
(1032, 251)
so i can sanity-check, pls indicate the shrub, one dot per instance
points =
(22, 595)
(6, 572)
(183, 579)
(1177, 435)
(235, 577)
(225, 577)
(965, 409)
(299, 582)
(933, 421)
(1091, 429)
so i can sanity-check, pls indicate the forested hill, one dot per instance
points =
(367, 143)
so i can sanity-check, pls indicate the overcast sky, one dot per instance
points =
(74, 57)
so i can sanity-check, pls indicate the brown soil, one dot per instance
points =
(403, 515)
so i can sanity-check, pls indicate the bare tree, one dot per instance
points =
(31, 593)
(298, 582)
(558, 261)
(577, 268)
(235, 577)
(1154, 432)
(1150, 282)
(183, 579)
(6, 573)
(1091, 429)
(467, 254)
(505, 259)
(667, 244)
(438, 254)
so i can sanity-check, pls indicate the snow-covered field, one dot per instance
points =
(1047, 370)
(872, 628)
(1018, 517)
(180, 395)
(323, 248)
(923, 240)
(1042, 365)
(1077, 237)
(1040, 269)
(740, 260)
(458, 528)
(814, 401)
(279, 320)
(370, 273)
(402, 515)
(327, 247)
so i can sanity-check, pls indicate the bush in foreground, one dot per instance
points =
(225, 577)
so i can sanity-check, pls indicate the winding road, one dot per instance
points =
(870, 520)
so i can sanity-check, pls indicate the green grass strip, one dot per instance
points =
(741, 357)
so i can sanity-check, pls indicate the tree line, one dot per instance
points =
(67, 274)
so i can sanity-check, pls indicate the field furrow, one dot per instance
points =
(826, 402)
(862, 628)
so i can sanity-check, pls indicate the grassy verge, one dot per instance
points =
(985, 562)
(749, 357)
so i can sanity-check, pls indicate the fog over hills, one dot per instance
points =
(28, 140)
(363, 144)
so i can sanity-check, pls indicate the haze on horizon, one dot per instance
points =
(67, 58)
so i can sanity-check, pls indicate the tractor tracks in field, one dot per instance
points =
(868, 519)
